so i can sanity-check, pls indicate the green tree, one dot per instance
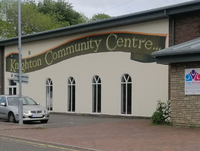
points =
(84, 18)
(32, 21)
(62, 11)
(99, 17)
(37, 17)
(36, 21)
(6, 30)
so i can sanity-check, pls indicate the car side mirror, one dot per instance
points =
(3, 104)
(38, 103)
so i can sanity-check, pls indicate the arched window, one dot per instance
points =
(126, 94)
(12, 87)
(49, 94)
(96, 94)
(71, 94)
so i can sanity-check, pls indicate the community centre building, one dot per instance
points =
(102, 67)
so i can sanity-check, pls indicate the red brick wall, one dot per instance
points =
(1, 70)
(187, 27)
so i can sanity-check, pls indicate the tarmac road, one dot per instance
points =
(16, 144)
(63, 120)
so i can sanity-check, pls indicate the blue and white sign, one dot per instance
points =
(192, 81)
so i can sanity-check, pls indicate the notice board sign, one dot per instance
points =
(192, 81)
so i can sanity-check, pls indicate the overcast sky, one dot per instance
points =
(118, 7)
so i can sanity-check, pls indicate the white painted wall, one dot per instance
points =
(150, 80)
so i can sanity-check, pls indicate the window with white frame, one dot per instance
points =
(49, 94)
(71, 94)
(126, 94)
(96, 94)
(12, 88)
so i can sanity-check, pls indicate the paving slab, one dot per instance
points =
(133, 135)
(4, 125)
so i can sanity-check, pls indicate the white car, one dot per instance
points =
(32, 111)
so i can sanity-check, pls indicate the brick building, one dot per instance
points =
(183, 55)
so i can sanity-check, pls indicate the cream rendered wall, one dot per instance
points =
(149, 80)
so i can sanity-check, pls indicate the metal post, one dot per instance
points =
(20, 107)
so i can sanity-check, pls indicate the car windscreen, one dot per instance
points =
(13, 101)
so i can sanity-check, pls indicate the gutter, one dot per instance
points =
(89, 27)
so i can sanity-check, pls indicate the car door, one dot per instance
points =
(3, 109)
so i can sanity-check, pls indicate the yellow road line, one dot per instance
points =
(38, 144)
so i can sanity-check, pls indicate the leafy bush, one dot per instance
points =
(162, 114)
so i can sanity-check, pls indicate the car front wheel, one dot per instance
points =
(11, 118)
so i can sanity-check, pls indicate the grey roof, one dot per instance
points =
(149, 15)
(185, 52)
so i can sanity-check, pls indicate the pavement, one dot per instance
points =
(129, 135)
(4, 126)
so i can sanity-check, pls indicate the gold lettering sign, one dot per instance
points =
(138, 44)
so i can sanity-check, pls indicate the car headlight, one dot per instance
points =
(46, 111)
(26, 112)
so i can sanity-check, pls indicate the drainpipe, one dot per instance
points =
(173, 31)
(2, 71)
(173, 28)
(172, 43)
